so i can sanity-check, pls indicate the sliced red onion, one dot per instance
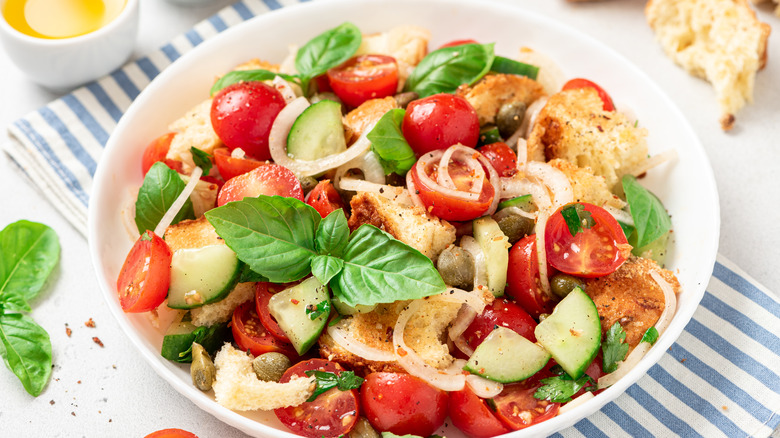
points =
(483, 387)
(173, 210)
(466, 156)
(464, 319)
(670, 302)
(427, 181)
(655, 160)
(412, 189)
(531, 114)
(541, 252)
(555, 180)
(522, 154)
(284, 88)
(619, 215)
(576, 402)
(343, 338)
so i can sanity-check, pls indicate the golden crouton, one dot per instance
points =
(369, 112)
(491, 92)
(777, 8)
(407, 44)
(574, 126)
(191, 233)
(193, 130)
(586, 186)
(413, 226)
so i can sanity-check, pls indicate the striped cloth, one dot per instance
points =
(722, 377)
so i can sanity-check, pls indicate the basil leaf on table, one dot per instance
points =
(651, 220)
(327, 50)
(29, 251)
(325, 267)
(272, 234)
(380, 269)
(13, 303)
(332, 235)
(257, 75)
(161, 186)
(445, 69)
(26, 350)
(389, 144)
(510, 66)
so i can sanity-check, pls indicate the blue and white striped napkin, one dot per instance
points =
(721, 378)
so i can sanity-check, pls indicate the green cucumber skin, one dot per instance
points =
(182, 338)
(317, 133)
(216, 284)
(572, 333)
(524, 202)
(288, 307)
(506, 357)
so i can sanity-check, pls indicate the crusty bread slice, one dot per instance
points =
(721, 41)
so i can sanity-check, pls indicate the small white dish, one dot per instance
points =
(62, 64)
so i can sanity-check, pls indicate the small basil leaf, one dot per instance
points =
(325, 380)
(445, 69)
(161, 186)
(380, 269)
(272, 234)
(202, 159)
(389, 144)
(510, 66)
(325, 267)
(257, 75)
(327, 50)
(26, 350)
(332, 235)
(650, 217)
(650, 336)
(577, 218)
(29, 251)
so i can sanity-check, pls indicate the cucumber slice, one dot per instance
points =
(572, 333)
(202, 275)
(317, 132)
(505, 356)
(289, 308)
(496, 246)
(182, 333)
(524, 203)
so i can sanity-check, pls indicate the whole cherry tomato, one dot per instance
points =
(364, 77)
(438, 122)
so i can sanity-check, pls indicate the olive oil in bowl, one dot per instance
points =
(58, 19)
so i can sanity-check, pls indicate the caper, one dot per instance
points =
(404, 99)
(202, 369)
(456, 267)
(510, 117)
(515, 226)
(270, 366)
(562, 284)
(363, 429)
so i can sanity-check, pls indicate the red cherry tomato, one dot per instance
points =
(146, 274)
(157, 150)
(249, 333)
(324, 198)
(332, 414)
(502, 157)
(503, 313)
(523, 278)
(230, 167)
(471, 415)
(268, 179)
(263, 293)
(592, 252)
(458, 43)
(446, 206)
(364, 77)
(584, 83)
(242, 115)
(516, 406)
(402, 404)
(440, 121)
(171, 433)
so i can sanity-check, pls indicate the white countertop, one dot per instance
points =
(110, 391)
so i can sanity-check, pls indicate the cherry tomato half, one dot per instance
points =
(364, 77)
(592, 252)
(263, 293)
(146, 274)
(242, 115)
(502, 157)
(516, 406)
(268, 179)
(156, 151)
(171, 433)
(230, 167)
(402, 404)
(471, 415)
(503, 313)
(438, 122)
(523, 278)
(332, 414)
(249, 333)
(324, 198)
(584, 83)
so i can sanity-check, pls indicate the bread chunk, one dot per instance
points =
(222, 310)
(777, 8)
(721, 41)
(586, 186)
(193, 130)
(407, 44)
(369, 112)
(191, 233)
(491, 92)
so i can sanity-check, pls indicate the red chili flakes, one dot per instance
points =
(90, 323)
(97, 340)
(294, 301)
(68, 331)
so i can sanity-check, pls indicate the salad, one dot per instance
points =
(372, 236)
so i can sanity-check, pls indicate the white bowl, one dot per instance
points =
(687, 186)
(61, 64)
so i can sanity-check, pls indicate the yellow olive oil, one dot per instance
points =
(56, 19)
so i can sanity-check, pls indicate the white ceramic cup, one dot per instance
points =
(61, 64)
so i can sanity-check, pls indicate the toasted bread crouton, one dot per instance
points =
(193, 130)
(777, 8)
(238, 388)
(222, 310)
(631, 297)
(407, 44)
(413, 226)
(550, 75)
(257, 64)
(493, 91)
(586, 186)
(574, 126)
(368, 113)
(191, 233)
(721, 41)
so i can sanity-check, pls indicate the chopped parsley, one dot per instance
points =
(326, 380)
(614, 347)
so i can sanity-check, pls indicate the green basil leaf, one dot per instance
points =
(29, 251)
(510, 66)
(13, 303)
(628, 229)
(327, 50)
(202, 159)
(272, 234)
(26, 350)
(161, 186)
(389, 144)
(650, 336)
(325, 380)
(332, 235)
(614, 348)
(257, 75)
(380, 269)
(250, 276)
(325, 267)
(650, 217)
(445, 69)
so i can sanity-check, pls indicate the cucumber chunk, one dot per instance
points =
(182, 333)
(202, 275)
(495, 245)
(572, 333)
(505, 356)
(317, 132)
(524, 203)
(289, 308)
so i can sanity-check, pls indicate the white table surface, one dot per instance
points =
(111, 392)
